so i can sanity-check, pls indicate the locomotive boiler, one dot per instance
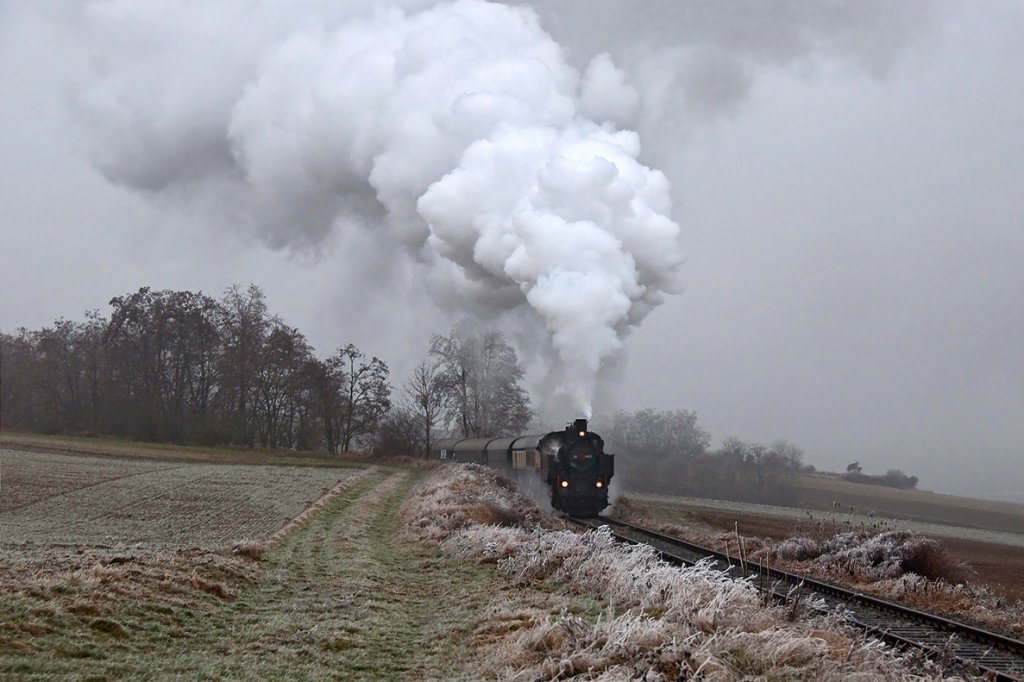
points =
(571, 465)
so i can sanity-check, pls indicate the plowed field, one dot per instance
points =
(50, 499)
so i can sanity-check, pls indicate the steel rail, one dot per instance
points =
(992, 654)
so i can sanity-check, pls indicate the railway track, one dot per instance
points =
(988, 654)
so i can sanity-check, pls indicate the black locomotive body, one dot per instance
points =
(571, 465)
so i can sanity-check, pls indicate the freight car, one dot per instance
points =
(571, 464)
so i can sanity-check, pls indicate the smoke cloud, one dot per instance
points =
(457, 132)
(501, 166)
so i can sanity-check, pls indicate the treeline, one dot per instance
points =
(893, 478)
(183, 367)
(667, 453)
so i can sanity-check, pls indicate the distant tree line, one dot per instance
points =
(667, 452)
(893, 478)
(183, 367)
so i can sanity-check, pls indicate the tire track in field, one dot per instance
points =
(93, 515)
(300, 542)
(319, 546)
(210, 516)
(304, 516)
(368, 507)
(49, 500)
(144, 496)
(390, 607)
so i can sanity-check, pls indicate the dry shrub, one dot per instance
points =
(493, 513)
(963, 599)
(898, 565)
(250, 549)
(219, 590)
(797, 549)
(869, 557)
(927, 558)
(623, 507)
(90, 586)
(566, 646)
(500, 623)
(485, 544)
(459, 496)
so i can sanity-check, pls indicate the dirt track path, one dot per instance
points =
(343, 596)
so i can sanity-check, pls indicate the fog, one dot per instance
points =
(846, 179)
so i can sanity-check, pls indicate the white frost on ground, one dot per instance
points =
(898, 565)
(654, 621)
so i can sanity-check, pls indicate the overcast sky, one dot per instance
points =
(847, 180)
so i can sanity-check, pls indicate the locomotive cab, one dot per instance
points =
(579, 470)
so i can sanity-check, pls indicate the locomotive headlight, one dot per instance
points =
(582, 433)
(565, 484)
(600, 484)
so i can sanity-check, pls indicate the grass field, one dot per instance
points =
(64, 499)
(815, 491)
(114, 567)
(171, 565)
(167, 452)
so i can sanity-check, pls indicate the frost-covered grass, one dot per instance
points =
(895, 564)
(901, 566)
(657, 622)
(341, 595)
(95, 500)
(871, 557)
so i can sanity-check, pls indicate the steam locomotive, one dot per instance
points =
(571, 464)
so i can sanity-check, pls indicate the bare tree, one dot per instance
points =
(659, 448)
(95, 366)
(482, 378)
(181, 366)
(15, 384)
(734, 449)
(244, 324)
(671, 434)
(324, 380)
(365, 393)
(161, 349)
(278, 386)
(60, 375)
(398, 433)
(785, 454)
(425, 400)
(138, 342)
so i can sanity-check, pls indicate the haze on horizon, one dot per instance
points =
(846, 177)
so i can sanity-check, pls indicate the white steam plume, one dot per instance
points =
(460, 135)
(496, 164)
